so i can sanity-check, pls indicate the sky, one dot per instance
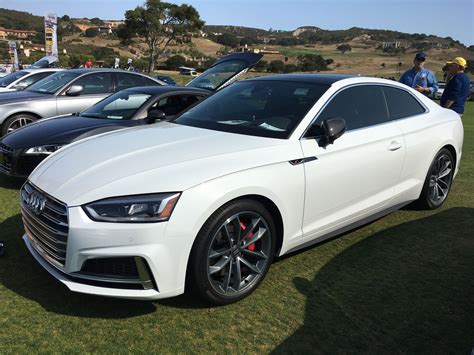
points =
(454, 18)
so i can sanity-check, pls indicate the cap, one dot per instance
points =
(459, 61)
(420, 56)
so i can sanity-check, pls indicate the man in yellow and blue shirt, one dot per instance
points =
(420, 78)
(457, 89)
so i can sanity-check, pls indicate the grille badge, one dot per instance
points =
(36, 201)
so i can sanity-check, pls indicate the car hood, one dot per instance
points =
(18, 96)
(164, 157)
(57, 130)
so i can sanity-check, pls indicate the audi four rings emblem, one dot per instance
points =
(36, 202)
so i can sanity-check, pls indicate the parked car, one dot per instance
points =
(263, 168)
(48, 61)
(65, 92)
(167, 79)
(439, 92)
(23, 149)
(21, 79)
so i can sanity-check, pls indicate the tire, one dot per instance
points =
(232, 252)
(17, 121)
(438, 181)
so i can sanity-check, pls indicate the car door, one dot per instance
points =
(410, 115)
(96, 86)
(353, 178)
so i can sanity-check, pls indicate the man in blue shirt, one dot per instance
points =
(420, 78)
(457, 89)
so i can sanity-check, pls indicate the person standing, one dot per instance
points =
(420, 78)
(88, 64)
(457, 89)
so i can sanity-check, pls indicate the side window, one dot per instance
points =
(34, 78)
(173, 105)
(125, 81)
(96, 83)
(401, 103)
(361, 106)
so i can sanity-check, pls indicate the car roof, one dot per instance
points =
(157, 90)
(327, 79)
(89, 70)
(37, 70)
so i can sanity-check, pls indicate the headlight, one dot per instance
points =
(135, 209)
(44, 149)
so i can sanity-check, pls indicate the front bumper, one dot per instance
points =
(165, 257)
(16, 164)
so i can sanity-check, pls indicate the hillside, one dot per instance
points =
(13, 19)
(373, 51)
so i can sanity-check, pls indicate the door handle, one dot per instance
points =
(394, 145)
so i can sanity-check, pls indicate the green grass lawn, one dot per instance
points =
(404, 284)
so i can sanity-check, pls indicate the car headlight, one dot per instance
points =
(134, 209)
(43, 149)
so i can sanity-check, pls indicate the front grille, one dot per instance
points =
(5, 159)
(46, 223)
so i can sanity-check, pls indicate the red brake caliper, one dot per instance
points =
(251, 247)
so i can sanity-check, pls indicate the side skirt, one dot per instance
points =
(349, 227)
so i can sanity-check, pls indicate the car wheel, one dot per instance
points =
(232, 252)
(438, 181)
(17, 121)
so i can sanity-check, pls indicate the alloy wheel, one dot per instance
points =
(238, 253)
(19, 122)
(440, 179)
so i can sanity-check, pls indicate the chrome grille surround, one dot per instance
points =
(46, 224)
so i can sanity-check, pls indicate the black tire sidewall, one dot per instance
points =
(198, 259)
(425, 199)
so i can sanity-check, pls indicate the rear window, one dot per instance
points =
(401, 104)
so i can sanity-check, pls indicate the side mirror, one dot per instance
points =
(74, 90)
(332, 129)
(155, 116)
(20, 86)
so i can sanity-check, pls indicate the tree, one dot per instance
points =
(174, 62)
(96, 21)
(160, 23)
(92, 32)
(343, 48)
(261, 66)
(312, 62)
(125, 35)
(228, 40)
(66, 18)
(276, 66)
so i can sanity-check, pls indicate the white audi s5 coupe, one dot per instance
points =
(262, 168)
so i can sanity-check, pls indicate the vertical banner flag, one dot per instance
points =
(12, 46)
(51, 37)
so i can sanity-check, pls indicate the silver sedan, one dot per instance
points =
(65, 92)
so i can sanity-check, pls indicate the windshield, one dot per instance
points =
(214, 77)
(10, 78)
(52, 83)
(267, 108)
(120, 106)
